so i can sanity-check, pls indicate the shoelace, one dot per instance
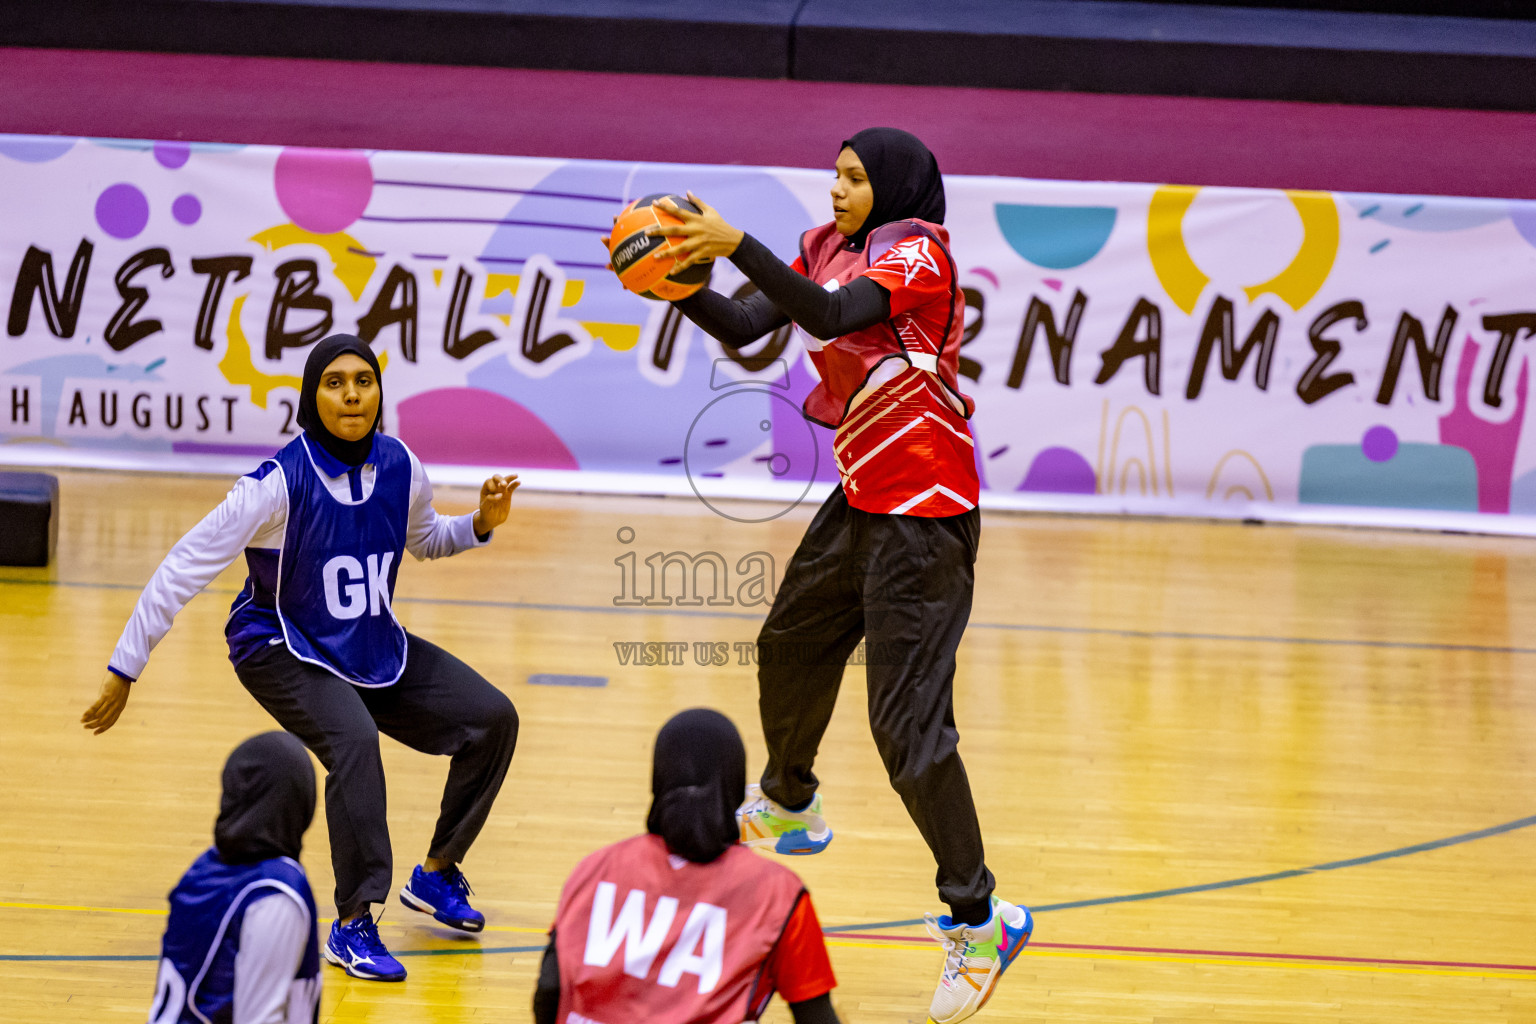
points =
(954, 949)
(458, 883)
(757, 806)
(757, 802)
(367, 934)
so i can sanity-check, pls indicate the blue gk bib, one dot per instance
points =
(336, 571)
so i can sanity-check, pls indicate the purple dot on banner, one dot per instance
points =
(1524, 217)
(35, 150)
(186, 209)
(122, 211)
(323, 190)
(172, 154)
(1060, 470)
(1379, 444)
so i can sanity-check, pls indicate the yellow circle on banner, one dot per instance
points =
(1183, 280)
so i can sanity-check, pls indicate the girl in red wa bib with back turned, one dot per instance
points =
(889, 558)
(683, 925)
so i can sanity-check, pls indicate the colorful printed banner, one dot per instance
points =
(1292, 355)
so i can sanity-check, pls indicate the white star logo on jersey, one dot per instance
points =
(914, 257)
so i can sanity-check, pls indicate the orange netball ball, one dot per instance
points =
(630, 249)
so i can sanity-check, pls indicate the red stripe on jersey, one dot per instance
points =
(905, 450)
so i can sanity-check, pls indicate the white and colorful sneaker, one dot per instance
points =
(766, 823)
(975, 957)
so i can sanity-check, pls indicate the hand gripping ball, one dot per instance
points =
(630, 249)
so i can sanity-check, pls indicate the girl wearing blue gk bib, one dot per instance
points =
(323, 525)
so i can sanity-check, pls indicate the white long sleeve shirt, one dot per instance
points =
(273, 935)
(255, 514)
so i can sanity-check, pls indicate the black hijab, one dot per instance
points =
(268, 801)
(904, 176)
(698, 779)
(353, 453)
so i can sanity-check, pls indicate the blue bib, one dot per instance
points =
(202, 937)
(333, 587)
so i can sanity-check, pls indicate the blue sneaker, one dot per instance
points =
(357, 949)
(443, 895)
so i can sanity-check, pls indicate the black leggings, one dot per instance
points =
(903, 585)
(439, 706)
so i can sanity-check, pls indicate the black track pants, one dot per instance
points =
(439, 706)
(903, 584)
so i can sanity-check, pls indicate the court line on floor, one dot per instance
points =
(1218, 958)
(163, 912)
(89, 910)
(1232, 883)
(1203, 957)
(1018, 627)
(925, 941)
(93, 957)
(854, 930)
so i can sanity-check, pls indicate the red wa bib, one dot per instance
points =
(644, 935)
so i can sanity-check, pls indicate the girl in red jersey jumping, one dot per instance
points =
(889, 558)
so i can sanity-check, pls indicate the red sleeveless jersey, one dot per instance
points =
(641, 934)
(903, 447)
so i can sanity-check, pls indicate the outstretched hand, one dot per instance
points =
(101, 716)
(701, 236)
(495, 502)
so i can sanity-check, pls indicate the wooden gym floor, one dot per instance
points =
(1264, 774)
